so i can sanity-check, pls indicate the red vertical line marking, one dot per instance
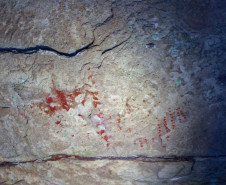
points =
(90, 76)
(141, 142)
(84, 100)
(165, 126)
(63, 100)
(96, 103)
(119, 121)
(167, 138)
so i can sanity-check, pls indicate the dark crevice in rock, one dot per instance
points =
(105, 38)
(101, 63)
(57, 157)
(18, 182)
(106, 20)
(109, 49)
(36, 49)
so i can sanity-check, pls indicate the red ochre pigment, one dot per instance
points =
(96, 103)
(119, 121)
(141, 141)
(168, 123)
(58, 122)
(102, 132)
(65, 100)
(90, 76)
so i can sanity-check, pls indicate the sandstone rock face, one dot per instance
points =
(112, 92)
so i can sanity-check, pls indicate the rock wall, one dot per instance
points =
(112, 92)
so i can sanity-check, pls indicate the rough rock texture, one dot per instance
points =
(119, 79)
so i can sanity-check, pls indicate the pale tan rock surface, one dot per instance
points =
(151, 83)
(134, 172)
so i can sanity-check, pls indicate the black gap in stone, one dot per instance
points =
(38, 48)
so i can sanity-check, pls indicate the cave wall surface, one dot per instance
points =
(112, 92)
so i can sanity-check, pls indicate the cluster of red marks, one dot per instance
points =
(175, 117)
(104, 136)
(172, 118)
(119, 121)
(59, 123)
(131, 108)
(167, 138)
(90, 76)
(168, 123)
(180, 114)
(65, 100)
(162, 130)
(60, 100)
(141, 141)
(101, 126)
(96, 101)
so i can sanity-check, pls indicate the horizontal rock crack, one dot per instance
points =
(128, 158)
(36, 49)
